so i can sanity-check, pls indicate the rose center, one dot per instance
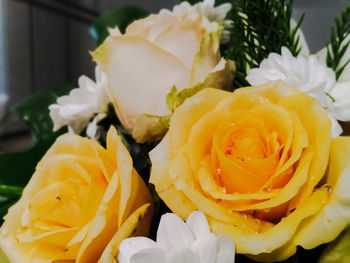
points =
(245, 154)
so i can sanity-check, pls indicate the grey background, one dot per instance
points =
(45, 42)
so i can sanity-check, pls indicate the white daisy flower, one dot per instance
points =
(82, 104)
(177, 241)
(213, 14)
(311, 76)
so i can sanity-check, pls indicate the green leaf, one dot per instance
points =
(339, 42)
(259, 28)
(139, 152)
(121, 17)
(338, 251)
(16, 168)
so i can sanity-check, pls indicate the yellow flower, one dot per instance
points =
(254, 162)
(81, 198)
(156, 53)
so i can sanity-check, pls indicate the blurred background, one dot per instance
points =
(45, 42)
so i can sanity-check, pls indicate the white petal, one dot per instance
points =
(183, 255)
(206, 11)
(198, 224)
(307, 74)
(225, 249)
(154, 255)
(131, 246)
(173, 233)
(77, 108)
(336, 129)
(140, 75)
(114, 31)
(341, 106)
(92, 130)
(215, 249)
(206, 248)
(261, 76)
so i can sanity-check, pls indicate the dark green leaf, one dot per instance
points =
(338, 42)
(16, 168)
(139, 152)
(339, 250)
(120, 17)
(259, 28)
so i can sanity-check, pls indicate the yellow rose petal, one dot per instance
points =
(130, 227)
(69, 210)
(256, 243)
(335, 215)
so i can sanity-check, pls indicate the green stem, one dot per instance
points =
(14, 190)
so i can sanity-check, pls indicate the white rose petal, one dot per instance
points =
(177, 241)
(178, 48)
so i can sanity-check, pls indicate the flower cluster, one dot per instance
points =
(310, 75)
(256, 170)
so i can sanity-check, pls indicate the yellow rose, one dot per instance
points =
(81, 198)
(156, 53)
(254, 162)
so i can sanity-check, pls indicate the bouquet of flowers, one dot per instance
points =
(210, 134)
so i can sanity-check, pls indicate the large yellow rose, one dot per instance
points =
(254, 162)
(179, 48)
(81, 198)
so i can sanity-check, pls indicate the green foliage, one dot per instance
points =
(120, 17)
(259, 28)
(139, 152)
(339, 250)
(338, 42)
(16, 168)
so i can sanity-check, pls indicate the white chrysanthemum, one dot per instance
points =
(179, 242)
(311, 76)
(82, 104)
(207, 9)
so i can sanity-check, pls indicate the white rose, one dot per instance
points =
(179, 48)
